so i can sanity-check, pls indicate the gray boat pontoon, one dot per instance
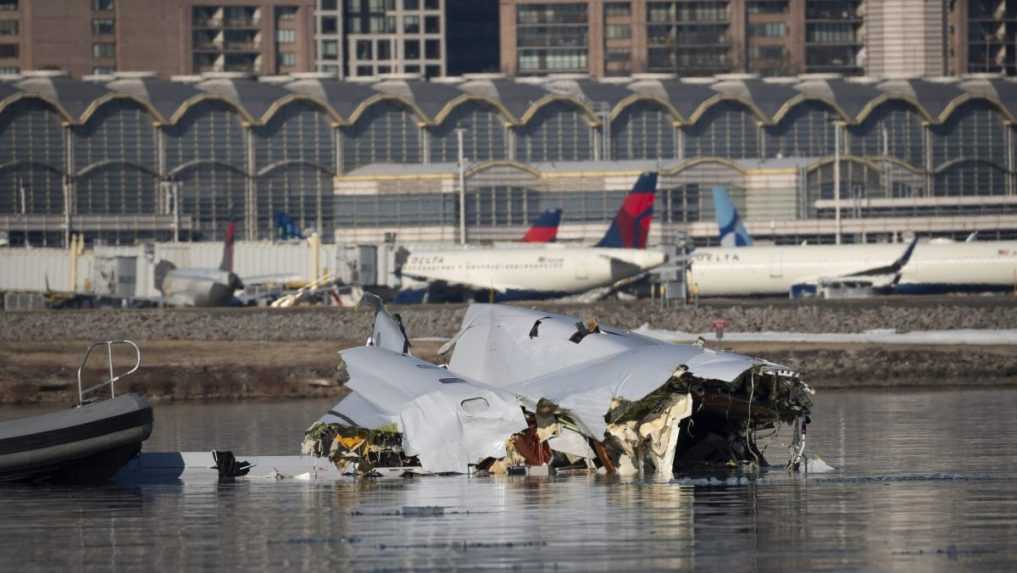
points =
(87, 443)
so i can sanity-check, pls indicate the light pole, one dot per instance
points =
(836, 178)
(22, 192)
(462, 186)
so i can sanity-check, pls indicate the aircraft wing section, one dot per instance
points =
(893, 268)
(878, 277)
(388, 331)
(448, 422)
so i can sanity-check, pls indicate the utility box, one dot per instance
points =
(115, 275)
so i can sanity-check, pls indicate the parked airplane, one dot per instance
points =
(931, 267)
(787, 270)
(545, 271)
(199, 287)
(545, 228)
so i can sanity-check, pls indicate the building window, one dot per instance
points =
(432, 71)
(431, 5)
(384, 50)
(104, 27)
(288, 59)
(432, 24)
(411, 24)
(8, 27)
(9, 70)
(8, 50)
(411, 49)
(286, 13)
(104, 50)
(384, 69)
(432, 49)
(365, 71)
(8, 5)
(768, 7)
(411, 4)
(285, 36)
(330, 49)
(618, 31)
(329, 25)
(617, 10)
(412, 69)
(103, 5)
(552, 37)
(330, 5)
(364, 49)
(767, 29)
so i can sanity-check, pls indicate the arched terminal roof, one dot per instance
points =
(517, 100)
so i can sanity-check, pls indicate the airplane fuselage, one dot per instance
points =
(554, 270)
(773, 270)
(199, 287)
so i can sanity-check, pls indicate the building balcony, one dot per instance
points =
(207, 24)
(241, 47)
(242, 23)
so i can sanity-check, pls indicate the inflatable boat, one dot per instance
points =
(87, 443)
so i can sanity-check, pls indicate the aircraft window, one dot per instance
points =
(451, 380)
(474, 405)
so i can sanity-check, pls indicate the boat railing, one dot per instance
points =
(113, 377)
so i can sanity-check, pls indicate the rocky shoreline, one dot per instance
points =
(228, 354)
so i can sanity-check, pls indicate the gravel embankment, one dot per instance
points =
(199, 354)
(444, 320)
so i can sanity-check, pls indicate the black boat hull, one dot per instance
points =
(81, 445)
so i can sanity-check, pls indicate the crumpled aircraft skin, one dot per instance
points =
(520, 382)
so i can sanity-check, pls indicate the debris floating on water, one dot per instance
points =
(548, 392)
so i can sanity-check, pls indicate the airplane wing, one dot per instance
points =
(874, 277)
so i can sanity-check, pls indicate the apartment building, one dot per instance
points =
(619, 37)
(170, 37)
(767, 37)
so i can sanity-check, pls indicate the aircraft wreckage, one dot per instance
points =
(525, 390)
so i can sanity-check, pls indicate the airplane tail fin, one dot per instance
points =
(287, 227)
(227, 250)
(545, 228)
(631, 225)
(732, 230)
(161, 270)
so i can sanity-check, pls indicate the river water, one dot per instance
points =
(925, 481)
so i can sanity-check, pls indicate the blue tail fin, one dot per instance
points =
(732, 230)
(631, 225)
(287, 228)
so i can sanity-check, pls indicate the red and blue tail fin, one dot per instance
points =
(545, 228)
(227, 250)
(631, 225)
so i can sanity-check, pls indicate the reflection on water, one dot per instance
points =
(925, 481)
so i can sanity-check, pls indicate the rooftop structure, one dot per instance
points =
(133, 157)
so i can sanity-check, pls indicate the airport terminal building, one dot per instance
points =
(132, 157)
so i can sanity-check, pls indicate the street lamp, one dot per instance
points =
(462, 186)
(837, 125)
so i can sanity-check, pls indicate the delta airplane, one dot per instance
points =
(740, 269)
(199, 287)
(748, 270)
(544, 271)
